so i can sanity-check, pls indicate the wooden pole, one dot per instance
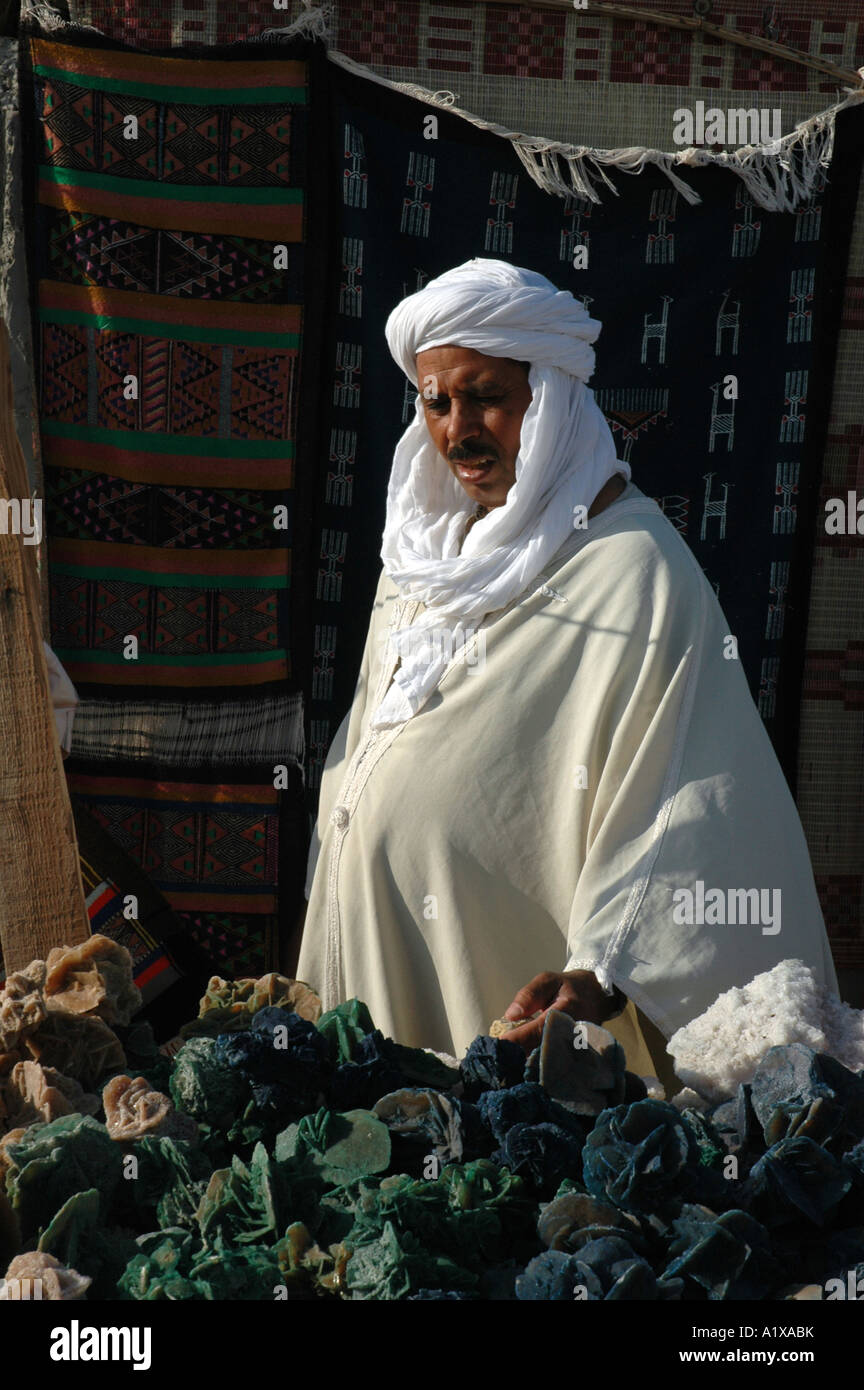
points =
(698, 26)
(41, 898)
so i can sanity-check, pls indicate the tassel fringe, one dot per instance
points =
(779, 176)
(313, 22)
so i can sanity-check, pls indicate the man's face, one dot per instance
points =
(474, 406)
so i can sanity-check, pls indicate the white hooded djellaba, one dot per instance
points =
(564, 769)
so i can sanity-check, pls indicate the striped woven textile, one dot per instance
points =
(172, 208)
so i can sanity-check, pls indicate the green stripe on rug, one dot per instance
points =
(180, 192)
(146, 442)
(186, 332)
(196, 96)
(168, 580)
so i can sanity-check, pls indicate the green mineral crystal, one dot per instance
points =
(63, 1234)
(52, 1162)
(475, 1213)
(247, 1274)
(160, 1270)
(396, 1265)
(77, 1235)
(208, 1091)
(483, 1183)
(348, 1024)
(244, 1204)
(171, 1177)
(711, 1147)
(247, 1130)
(307, 1270)
(344, 1027)
(342, 1147)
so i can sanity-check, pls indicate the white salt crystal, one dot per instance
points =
(724, 1045)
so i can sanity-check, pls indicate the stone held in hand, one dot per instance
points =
(581, 1065)
(500, 1027)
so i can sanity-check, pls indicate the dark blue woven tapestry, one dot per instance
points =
(689, 296)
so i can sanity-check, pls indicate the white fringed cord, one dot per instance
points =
(766, 170)
(313, 22)
(50, 19)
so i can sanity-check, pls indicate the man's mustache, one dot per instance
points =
(461, 455)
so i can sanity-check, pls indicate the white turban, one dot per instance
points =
(565, 457)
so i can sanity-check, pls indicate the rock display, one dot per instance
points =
(282, 1153)
(721, 1049)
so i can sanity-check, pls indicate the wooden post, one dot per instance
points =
(41, 898)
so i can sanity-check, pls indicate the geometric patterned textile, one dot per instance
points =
(168, 355)
(176, 244)
(215, 849)
(713, 366)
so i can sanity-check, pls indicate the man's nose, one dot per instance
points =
(463, 422)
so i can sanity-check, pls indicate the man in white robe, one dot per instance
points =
(553, 788)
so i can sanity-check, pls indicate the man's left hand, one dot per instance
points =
(576, 992)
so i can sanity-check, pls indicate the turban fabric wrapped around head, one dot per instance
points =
(566, 454)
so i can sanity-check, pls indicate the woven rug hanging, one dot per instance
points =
(175, 225)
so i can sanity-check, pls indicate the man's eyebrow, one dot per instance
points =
(483, 383)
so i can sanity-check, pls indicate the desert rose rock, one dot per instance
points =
(133, 1110)
(56, 1283)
